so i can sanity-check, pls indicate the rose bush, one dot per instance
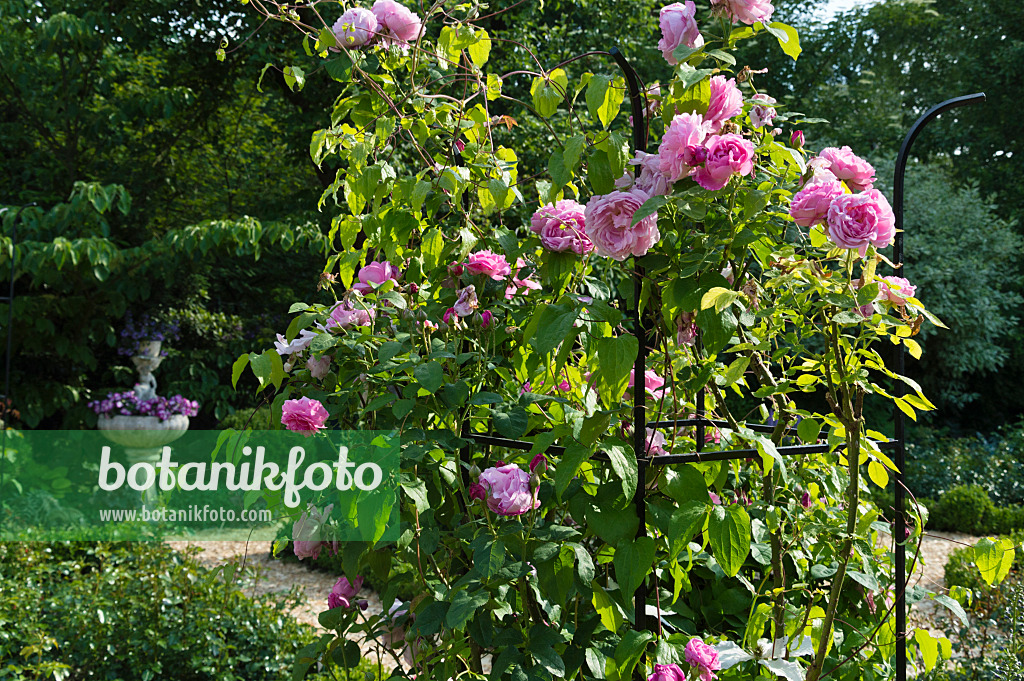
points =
(754, 262)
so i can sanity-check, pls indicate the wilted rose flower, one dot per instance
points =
(856, 220)
(318, 368)
(398, 25)
(493, 265)
(508, 490)
(307, 539)
(344, 315)
(686, 329)
(467, 302)
(762, 113)
(678, 23)
(848, 167)
(656, 442)
(376, 273)
(678, 152)
(304, 416)
(726, 102)
(561, 227)
(746, 11)
(300, 343)
(810, 205)
(903, 290)
(667, 672)
(608, 220)
(356, 27)
(704, 658)
(728, 155)
(343, 594)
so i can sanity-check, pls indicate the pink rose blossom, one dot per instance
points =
(746, 11)
(376, 273)
(564, 386)
(810, 205)
(398, 25)
(651, 180)
(653, 383)
(762, 113)
(300, 343)
(704, 658)
(856, 220)
(667, 672)
(561, 227)
(304, 416)
(898, 295)
(519, 283)
(343, 594)
(727, 155)
(847, 166)
(608, 220)
(356, 27)
(805, 500)
(679, 148)
(467, 302)
(318, 368)
(656, 442)
(491, 264)
(715, 499)
(678, 27)
(726, 102)
(447, 316)
(508, 490)
(344, 315)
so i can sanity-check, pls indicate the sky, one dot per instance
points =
(836, 6)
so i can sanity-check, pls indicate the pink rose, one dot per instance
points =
(344, 593)
(715, 499)
(447, 316)
(608, 220)
(346, 314)
(726, 102)
(856, 220)
(306, 536)
(376, 273)
(561, 227)
(477, 492)
(805, 500)
(703, 657)
(300, 343)
(651, 180)
(467, 302)
(678, 27)
(762, 113)
(667, 672)
(355, 28)
(727, 155)
(528, 283)
(399, 26)
(508, 490)
(304, 416)
(486, 317)
(847, 166)
(493, 265)
(900, 290)
(678, 151)
(656, 442)
(318, 368)
(747, 11)
(539, 461)
(810, 205)
(653, 383)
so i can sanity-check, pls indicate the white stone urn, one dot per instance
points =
(142, 436)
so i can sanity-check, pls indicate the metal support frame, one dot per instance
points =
(899, 356)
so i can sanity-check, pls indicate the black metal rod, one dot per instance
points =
(899, 361)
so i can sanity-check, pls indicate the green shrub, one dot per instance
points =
(965, 508)
(135, 611)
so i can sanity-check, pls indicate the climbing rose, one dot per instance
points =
(903, 287)
(727, 155)
(762, 113)
(467, 302)
(318, 368)
(747, 11)
(607, 224)
(344, 593)
(561, 227)
(355, 28)
(493, 265)
(306, 539)
(726, 102)
(304, 416)
(517, 282)
(680, 147)
(651, 180)
(678, 27)
(703, 657)
(656, 442)
(376, 273)
(399, 25)
(856, 220)
(347, 314)
(686, 329)
(667, 672)
(653, 383)
(847, 166)
(508, 490)
(810, 205)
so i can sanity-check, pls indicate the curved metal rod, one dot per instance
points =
(900, 389)
(633, 85)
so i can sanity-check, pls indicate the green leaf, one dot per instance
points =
(625, 466)
(548, 93)
(735, 371)
(574, 456)
(808, 430)
(294, 77)
(429, 375)
(599, 172)
(480, 51)
(560, 173)
(717, 328)
(689, 76)
(554, 324)
(629, 651)
(994, 559)
(954, 607)
(606, 609)
(489, 557)
(604, 98)
(649, 207)
(686, 521)
(464, 606)
(787, 36)
(685, 484)
(237, 368)
(494, 84)
(432, 245)
(512, 424)
(615, 359)
(574, 148)
(729, 536)
(633, 560)
(696, 98)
